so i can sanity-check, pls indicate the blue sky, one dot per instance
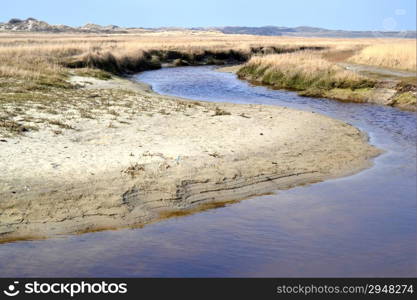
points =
(332, 14)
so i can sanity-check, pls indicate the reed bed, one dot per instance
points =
(389, 55)
(301, 71)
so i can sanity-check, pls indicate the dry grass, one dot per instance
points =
(38, 57)
(220, 112)
(35, 68)
(301, 71)
(42, 59)
(389, 55)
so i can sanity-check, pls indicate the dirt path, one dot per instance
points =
(376, 71)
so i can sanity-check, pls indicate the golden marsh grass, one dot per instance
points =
(400, 55)
(35, 55)
(300, 71)
(39, 60)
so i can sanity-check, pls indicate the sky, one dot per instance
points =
(331, 14)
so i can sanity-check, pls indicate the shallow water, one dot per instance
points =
(361, 225)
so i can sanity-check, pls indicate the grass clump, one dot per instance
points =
(220, 112)
(134, 170)
(302, 71)
(121, 62)
(407, 98)
(14, 127)
(357, 95)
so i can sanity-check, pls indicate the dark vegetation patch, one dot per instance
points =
(153, 59)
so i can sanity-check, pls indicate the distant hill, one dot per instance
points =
(34, 25)
(305, 31)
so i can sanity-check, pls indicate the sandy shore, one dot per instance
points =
(150, 156)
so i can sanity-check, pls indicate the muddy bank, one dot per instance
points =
(144, 156)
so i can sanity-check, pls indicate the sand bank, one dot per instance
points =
(150, 156)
